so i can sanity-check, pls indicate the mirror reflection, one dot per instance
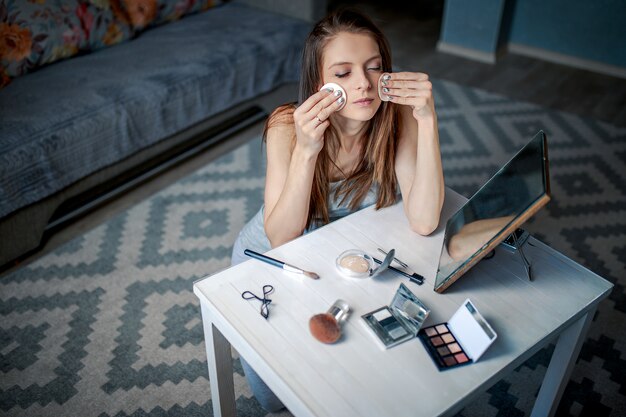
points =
(514, 193)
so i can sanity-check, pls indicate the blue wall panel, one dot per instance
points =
(593, 29)
(472, 24)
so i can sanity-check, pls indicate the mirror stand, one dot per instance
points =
(520, 251)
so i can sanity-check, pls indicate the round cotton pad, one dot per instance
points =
(337, 87)
(383, 96)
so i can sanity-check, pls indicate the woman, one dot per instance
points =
(325, 161)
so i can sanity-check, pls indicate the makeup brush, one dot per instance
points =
(280, 264)
(326, 327)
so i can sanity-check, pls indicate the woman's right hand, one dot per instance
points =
(311, 119)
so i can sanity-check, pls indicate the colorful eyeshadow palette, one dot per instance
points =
(443, 347)
(460, 341)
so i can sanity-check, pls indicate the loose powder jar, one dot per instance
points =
(355, 263)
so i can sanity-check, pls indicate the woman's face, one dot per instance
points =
(353, 61)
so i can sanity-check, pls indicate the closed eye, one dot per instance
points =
(342, 75)
(375, 68)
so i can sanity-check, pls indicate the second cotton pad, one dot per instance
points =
(381, 94)
(336, 87)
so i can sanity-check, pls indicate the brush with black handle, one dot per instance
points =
(280, 264)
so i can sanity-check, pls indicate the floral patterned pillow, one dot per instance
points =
(37, 32)
(144, 13)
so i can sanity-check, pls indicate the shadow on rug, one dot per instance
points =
(107, 325)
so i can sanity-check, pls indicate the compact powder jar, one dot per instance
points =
(355, 263)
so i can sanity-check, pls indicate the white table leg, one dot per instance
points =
(561, 365)
(220, 369)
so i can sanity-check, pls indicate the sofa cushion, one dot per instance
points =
(35, 33)
(143, 13)
(68, 120)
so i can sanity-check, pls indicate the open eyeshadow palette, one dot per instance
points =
(398, 322)
(461, 341)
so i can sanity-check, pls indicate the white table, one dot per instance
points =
(356, 377)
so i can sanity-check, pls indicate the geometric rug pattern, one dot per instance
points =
(107, 325)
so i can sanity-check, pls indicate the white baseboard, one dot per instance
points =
(544, 54)
(475, 54)
(568, 60)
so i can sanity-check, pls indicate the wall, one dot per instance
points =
(472, 28)
(584, 33)
(593, 30)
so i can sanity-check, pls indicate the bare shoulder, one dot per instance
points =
(279, 129)
(280, 135)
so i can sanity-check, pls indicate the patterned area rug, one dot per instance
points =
(107, 325)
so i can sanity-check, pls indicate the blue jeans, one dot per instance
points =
(261, 391)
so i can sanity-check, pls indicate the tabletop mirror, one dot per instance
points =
(515, 193)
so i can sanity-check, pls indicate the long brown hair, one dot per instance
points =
(380, 137)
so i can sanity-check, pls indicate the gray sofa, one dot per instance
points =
(77, 131)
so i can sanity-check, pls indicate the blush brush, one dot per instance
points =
(280, 264)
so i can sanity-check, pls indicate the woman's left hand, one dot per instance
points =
(411, 89)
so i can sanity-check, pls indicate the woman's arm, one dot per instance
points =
(290, 168)
(288, 181)
(418, 159)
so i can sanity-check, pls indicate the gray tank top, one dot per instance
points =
(253, 236)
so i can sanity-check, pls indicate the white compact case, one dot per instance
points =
(471, 330)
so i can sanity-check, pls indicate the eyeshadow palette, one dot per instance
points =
(443, 347)
(398, 322)
(461, 341)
